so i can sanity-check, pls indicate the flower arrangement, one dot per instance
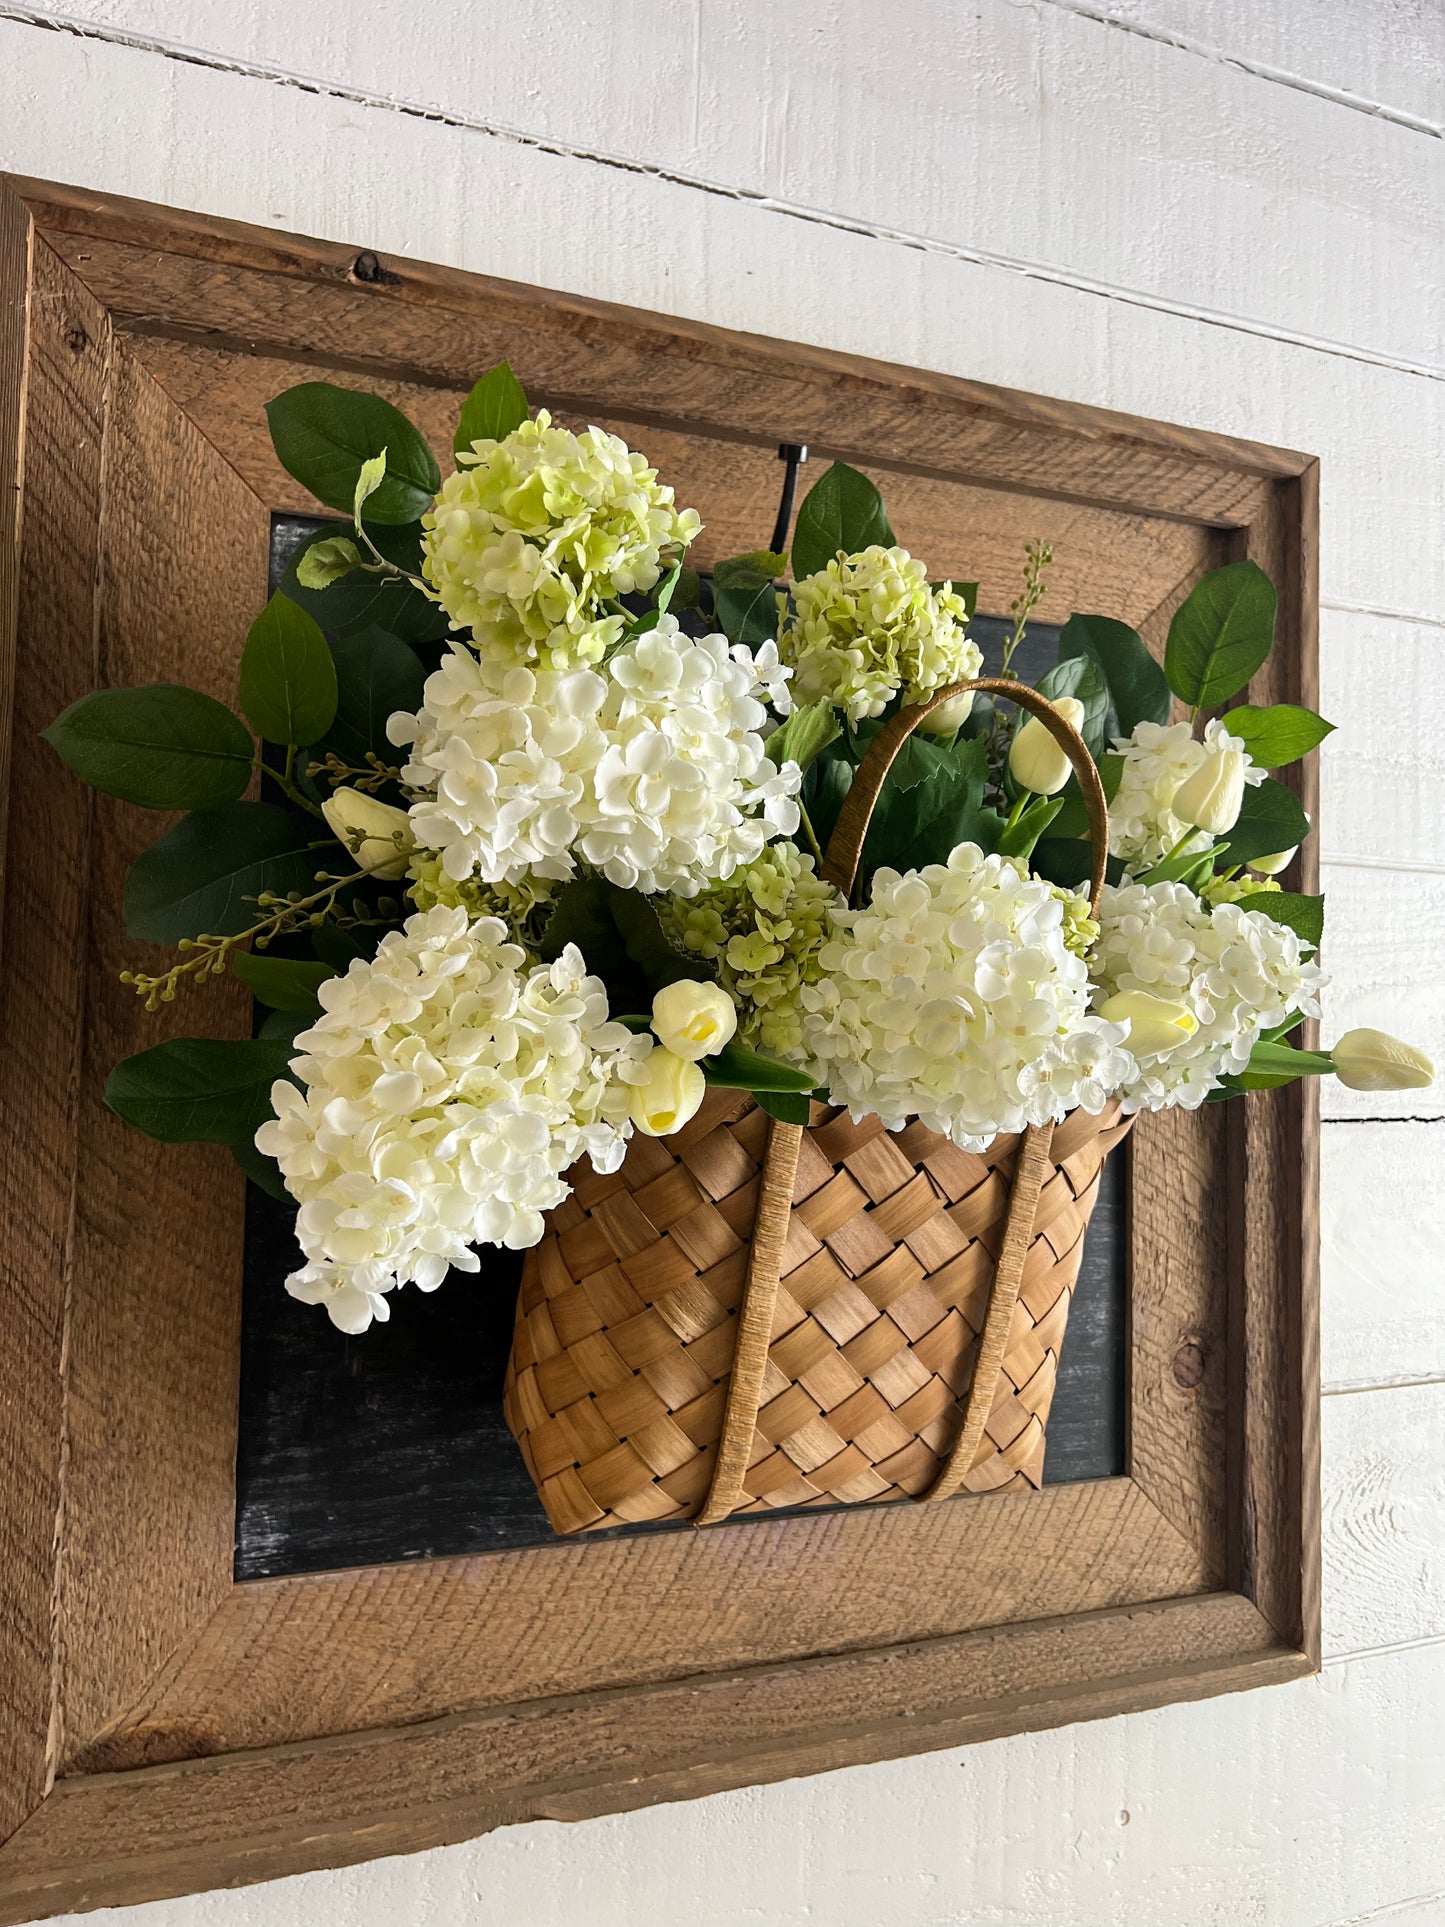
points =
(538, 852)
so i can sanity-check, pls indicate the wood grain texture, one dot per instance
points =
(151, 1480)
(299, 1663)
(131, 1835)
(287, 1659)
(54, 419)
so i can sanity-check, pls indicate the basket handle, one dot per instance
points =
(845, 846)
(780, 1161)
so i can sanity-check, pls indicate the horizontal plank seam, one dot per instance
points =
(1352, 860)
(1401, 1382)
(1349, 1656)
(1385, 615)
(751, 197)
(1256, 69)
(1394, 1117)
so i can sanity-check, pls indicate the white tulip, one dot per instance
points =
(1037, 761)
(1270, 866)
(1156, 1024)
(1211, 798)
(948, 716)
(693, 1020)
(668, 1095)
(1372, 1060)
(377, 835)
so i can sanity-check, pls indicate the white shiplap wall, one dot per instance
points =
(1222, 212)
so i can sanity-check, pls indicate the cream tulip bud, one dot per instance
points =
(693, 1020)
(1210, 799)
(668, 1095)
(1037, 761)
(378, 836)
(1156, 1024)
(1270, 866)
(1372, 1060)
(948, 716)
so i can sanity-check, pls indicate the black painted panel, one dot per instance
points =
(390, 1446)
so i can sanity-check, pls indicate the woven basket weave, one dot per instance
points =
(751, 1314)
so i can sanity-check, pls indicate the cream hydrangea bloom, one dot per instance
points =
(954, 998)
(764, 929)
(446, 1089)
(1239, 971)
(868, 626)
(1157, 759)
(533, 533)
(650, 770)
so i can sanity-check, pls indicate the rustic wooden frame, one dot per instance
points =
(162, 1728)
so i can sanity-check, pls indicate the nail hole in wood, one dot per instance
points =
(367, 269)
(1188, 1365)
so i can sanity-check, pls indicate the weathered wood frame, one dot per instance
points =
(164, 1729)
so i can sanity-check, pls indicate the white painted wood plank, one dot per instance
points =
(1382, 1259)
(1299, 1806)
(1387, 54)
(1383, 949)
(1383, 1486)
(1382, 773)
(403, 185)
(1208, 181)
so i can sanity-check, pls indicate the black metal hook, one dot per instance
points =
(794, 454)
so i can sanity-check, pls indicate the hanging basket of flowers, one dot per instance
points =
(730, 945)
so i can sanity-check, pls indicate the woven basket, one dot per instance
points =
(751, 1314)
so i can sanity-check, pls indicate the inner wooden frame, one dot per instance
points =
(164, 1729)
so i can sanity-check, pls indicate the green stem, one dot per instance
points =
(283, 782)
(811, 835)
(1018, 809)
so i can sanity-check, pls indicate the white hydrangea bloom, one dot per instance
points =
(533, 533)
(869, 625)
(954, 998)
(1239, 971)
(1157, 759)
(650, 769)
(447, 1087)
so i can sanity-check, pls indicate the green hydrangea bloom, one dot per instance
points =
(524, 907)
(532, 535)
(868, 626)
(764, 929)
(1080, 930)
(1230, 889)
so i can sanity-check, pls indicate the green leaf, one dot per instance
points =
(737, 1068)
(1270, 819)
(1111, 774)
(805, 735)
(261, 1170)
(163, 746)
(288, 680)
(284, 1026)
(324, 435)
(621, 937)
(1304, 915)
(761, 565)
(1281, 1060)
(370, 479)
(375, 677)
(825, 785)
(281, 983)
(1018, 839)
(1069, 863)
(747, 609)
(842, 512)
(789, 1107)
(1082, 678)
(688, 592)
(1220, 634)
(360, 600)
(1138, 690)
(198, 1090)
(926, 822)
(203, 876)
(492, 410)
(336, 946)
(1278, 735)
(326, 561)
